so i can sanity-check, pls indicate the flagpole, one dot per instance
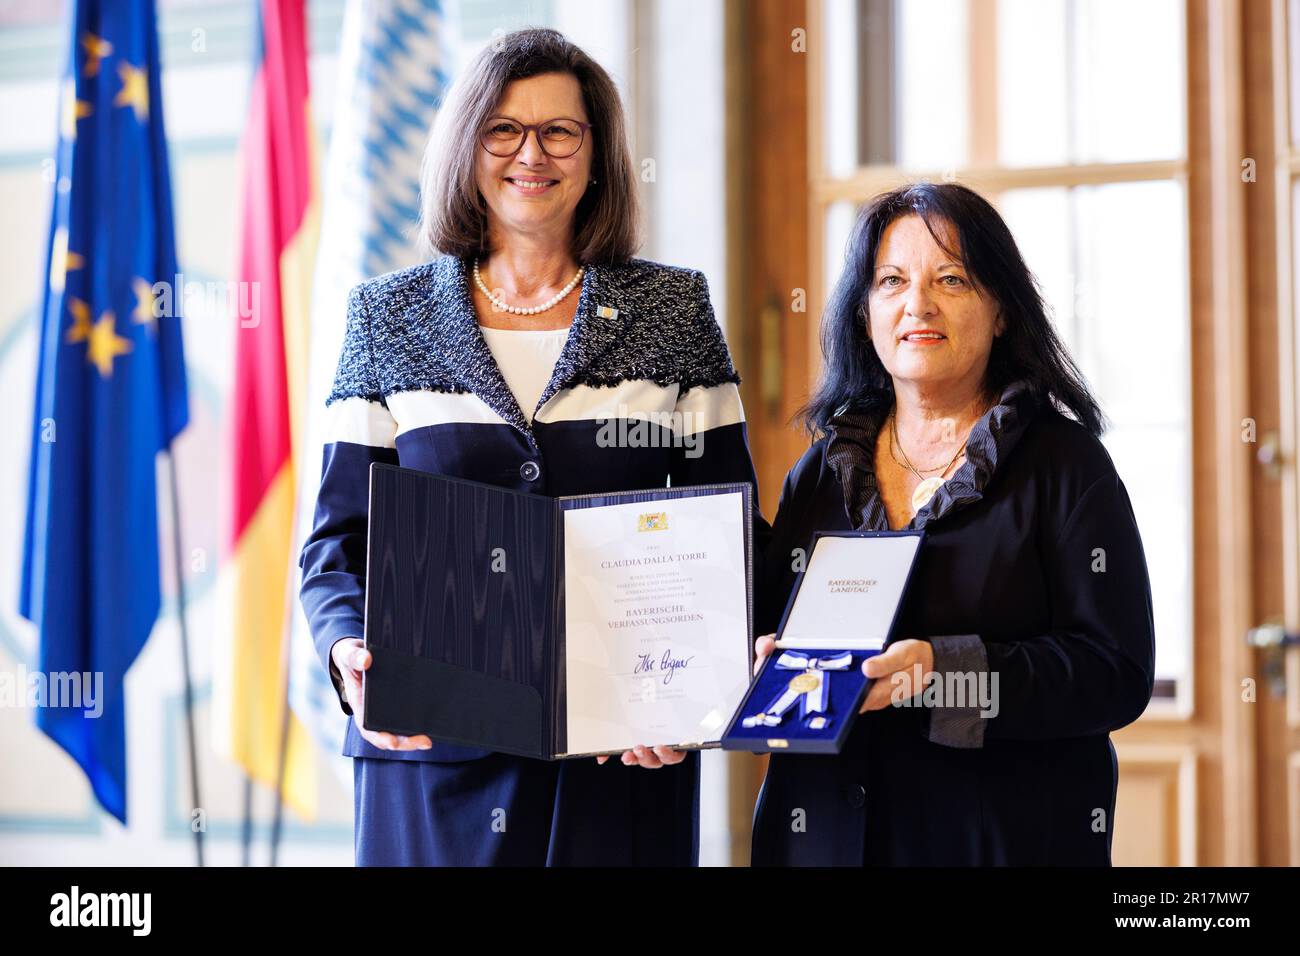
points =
(286, 662)
(279, 775)
(246, 830)
(196, 797)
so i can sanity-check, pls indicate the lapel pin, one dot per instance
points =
(606, 312)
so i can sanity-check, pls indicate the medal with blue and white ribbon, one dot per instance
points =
(809, 689)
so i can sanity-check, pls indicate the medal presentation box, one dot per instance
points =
(842, 612)
(556, 627)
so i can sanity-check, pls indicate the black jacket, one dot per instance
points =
(1033, 571)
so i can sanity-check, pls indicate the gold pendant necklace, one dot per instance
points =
(923, 492)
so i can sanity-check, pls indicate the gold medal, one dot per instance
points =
(924, 492)
(808, 680)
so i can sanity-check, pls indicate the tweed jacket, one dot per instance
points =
(643, 394)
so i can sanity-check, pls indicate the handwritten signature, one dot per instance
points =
(666, 665)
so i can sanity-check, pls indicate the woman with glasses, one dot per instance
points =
(503, 360)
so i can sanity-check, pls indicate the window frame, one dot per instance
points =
(984, 172)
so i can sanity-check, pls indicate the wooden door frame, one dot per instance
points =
(767, 261)
(768, 238)
(1223, 554)
(1278, 584)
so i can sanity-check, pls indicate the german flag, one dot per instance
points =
(280, 224)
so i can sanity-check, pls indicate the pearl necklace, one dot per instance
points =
(500, 304)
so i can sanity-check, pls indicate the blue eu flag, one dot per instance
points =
(110, 389)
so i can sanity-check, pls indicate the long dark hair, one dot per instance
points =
(1028, 349)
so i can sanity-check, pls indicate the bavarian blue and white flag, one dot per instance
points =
(394, 67)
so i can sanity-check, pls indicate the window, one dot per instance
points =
(1070, 116)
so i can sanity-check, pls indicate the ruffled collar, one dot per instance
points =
(851, 454)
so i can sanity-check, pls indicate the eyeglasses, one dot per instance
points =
(559, 138)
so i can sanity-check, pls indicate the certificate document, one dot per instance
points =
(556, 627)
(657, 641)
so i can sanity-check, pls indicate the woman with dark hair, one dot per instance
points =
(503, 360)
(949, 404)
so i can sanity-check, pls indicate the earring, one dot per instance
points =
(593, 182)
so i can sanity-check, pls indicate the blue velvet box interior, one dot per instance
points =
(846, 684)
(847, 690)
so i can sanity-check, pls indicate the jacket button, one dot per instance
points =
(857, 796)
(529, 471)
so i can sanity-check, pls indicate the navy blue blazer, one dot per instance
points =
(417, 386)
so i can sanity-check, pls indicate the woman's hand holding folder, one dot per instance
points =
(351, 658)
(651, 758)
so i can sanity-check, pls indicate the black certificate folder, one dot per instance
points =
(556, 627)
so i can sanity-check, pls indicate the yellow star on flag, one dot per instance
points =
(80, 331)
(144, 303)
(96, 49)
(61, 260)
(135, 90)
(73, 110)
(106, 344)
